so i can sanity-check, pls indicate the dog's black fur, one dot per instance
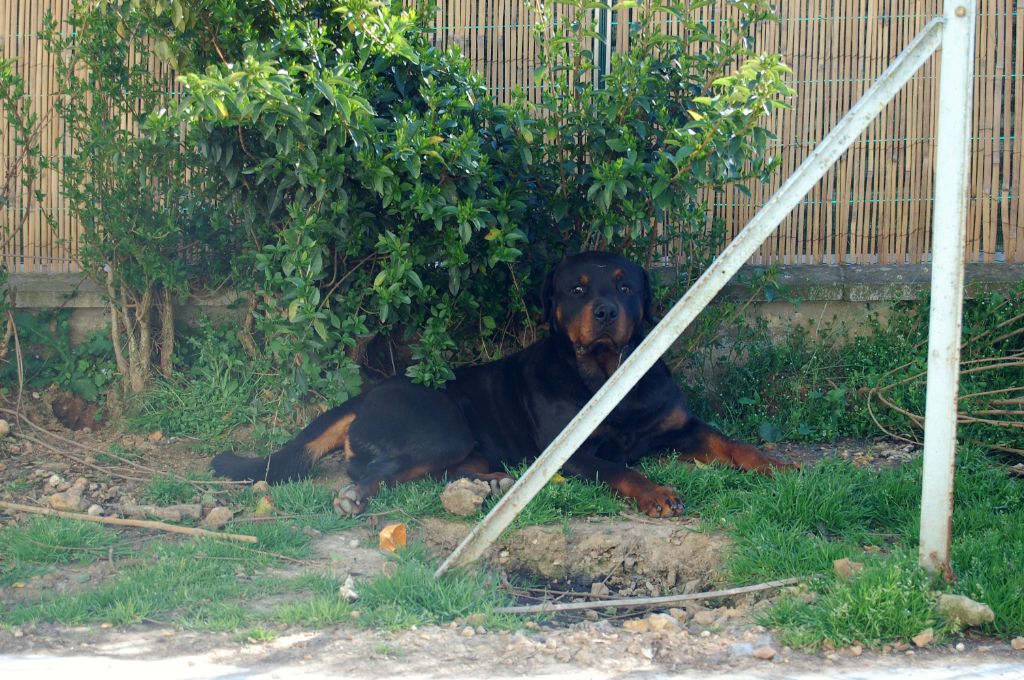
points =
(508, 411)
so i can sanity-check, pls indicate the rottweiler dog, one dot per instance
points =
(505, 412)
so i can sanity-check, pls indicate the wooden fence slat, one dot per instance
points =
(873, 206)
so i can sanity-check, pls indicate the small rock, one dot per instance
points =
(680, 615)
(311, 532)
(846, 569)
(261, 486)
(636, 625)
(591, 615)
(765, 653)
(477, 619)
(348, 590)
(960, 647)
(662, 622)
(959, 610)
(464, 497)
(599, 589)
(155, 437)
(70, 500)
(924, 638)
(856, 650)
(5, 428)
(705, 617)
(217, 517)
(468, 632)
(1017, 643)
(95, 510)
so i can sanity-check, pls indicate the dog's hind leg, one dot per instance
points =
(697, 440)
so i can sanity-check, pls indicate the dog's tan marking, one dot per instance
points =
(674, 420)
(333, 438)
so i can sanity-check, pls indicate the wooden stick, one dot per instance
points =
(139, 523)
(653, 602)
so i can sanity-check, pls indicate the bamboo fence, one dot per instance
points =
(873, 207)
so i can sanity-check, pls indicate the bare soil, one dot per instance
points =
(611, 557)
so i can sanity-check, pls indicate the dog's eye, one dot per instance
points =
(625, 290)
(578, 290)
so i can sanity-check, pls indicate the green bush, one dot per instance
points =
(385, 193)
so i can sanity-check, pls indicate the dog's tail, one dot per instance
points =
(327, 433)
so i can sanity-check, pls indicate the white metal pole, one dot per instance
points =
(698, 296)
(952, 164)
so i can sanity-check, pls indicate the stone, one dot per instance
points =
(155, 437)
(464, 497)
(1017, 643)
(924, 638)
(680, 615)
(636, 625)
(846, 569)
(662, 622)
(5, 428)
(261, 486)
(217, 517)
(70, 500)
(599, 589)
(765, 653)
(348, 590)
(705, 617)
(960, 610)
(95, 510)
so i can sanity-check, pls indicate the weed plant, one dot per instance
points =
(817, 387)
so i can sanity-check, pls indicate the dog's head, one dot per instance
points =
(599, 301)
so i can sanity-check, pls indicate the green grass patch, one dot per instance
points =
(307, 502)
(892, 599)
(26, 550)
(410, 595)
(169, 490)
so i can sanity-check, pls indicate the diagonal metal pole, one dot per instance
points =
(949, 225)
(698, 296)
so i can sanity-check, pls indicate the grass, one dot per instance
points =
(410, 595)
(42, 541)
(795, 524)
(798, 523)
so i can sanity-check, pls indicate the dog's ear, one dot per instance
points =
(547, 295)
(648, 299)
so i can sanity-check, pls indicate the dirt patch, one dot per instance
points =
(74, 412)
(632, 557)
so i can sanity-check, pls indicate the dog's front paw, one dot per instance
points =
(660, 501)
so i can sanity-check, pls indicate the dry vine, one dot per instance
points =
(1000, 407)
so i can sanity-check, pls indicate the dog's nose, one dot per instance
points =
(606, 313)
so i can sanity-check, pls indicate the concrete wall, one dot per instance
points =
(848, 293)
(89, 310)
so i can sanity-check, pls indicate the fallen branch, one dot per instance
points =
(652, 602)
(138, 523)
